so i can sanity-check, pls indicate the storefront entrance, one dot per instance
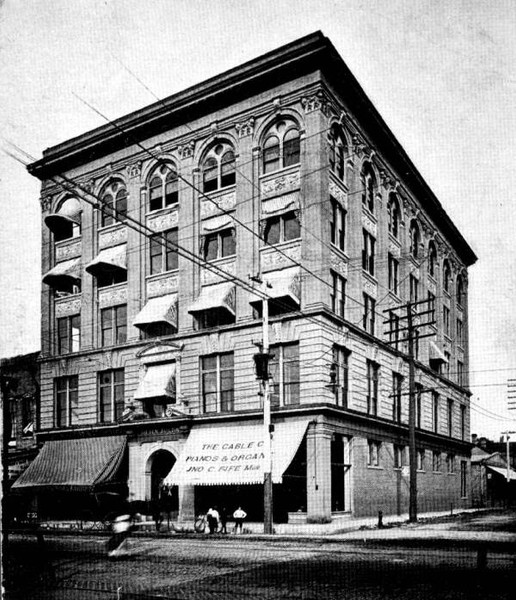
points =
(160, 463)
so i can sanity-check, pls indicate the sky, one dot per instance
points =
(440, 72)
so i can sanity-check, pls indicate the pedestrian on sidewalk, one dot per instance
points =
(121, 528)
(239, 515)
(223, 519)
(213, 517)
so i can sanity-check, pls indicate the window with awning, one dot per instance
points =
(81, 464)
(65, 223)
(280, 204)
(65, 276)
(109, 266)
(157, 390)
(233, 454)
(284, 291)
(215, 305)
(158, 316)
(437, 358)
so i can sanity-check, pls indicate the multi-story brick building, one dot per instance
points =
(153, 226)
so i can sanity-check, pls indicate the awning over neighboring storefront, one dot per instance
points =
(158, 381)
(63, 274)
(503, 471)
(108, 259)
(284, 284)
(280, 204)
(81, 464)
(221, 295)
(233, 454)
(69, 213)
(158, 310)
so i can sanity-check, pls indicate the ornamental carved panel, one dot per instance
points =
(162, 286)
(432, 288)
(68, 306)
(112, 296)
(338, 265)
(208, 277)
(113, 237)
(68, 250)
(217, 203)
(165, 221)
(280, 185)
(370, 287)
(394, 248)
(369, 224)
(134, 171)
(339, 194)
(246, 128)
(272, 260)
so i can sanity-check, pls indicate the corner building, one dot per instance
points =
(152, 227)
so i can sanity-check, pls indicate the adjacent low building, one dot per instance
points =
(152, 229)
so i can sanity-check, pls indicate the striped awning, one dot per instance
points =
(283, 284)
(221, 295)
(64, 273)
(108, 259)
(280, 204)
(158, 310)
(158, 381)
(81, 464)
(68, 213)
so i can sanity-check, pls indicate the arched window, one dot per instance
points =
(218, 169)
(281, 147)
(337, 152)
(446, 276)
(460, 290)
(113, 200)
(163, 187)
(65, 223)
(415, 238)
(369, 187)
(393, 209)
(432, 259)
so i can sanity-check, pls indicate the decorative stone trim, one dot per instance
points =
(208, 277)
(163, 221)
(280, 185)
(45, 202)
(432, 287)
(113, 296)
(246, 128)
(134, 171)
(187, 150)
(338, 265)
(67, 306)
(370, 287)
(162, 286)
(338, 193)
(317, 101)
(369, 224)
(394, 248)
(272, 260)
(67, 250)
(112, 236)
(217, 204)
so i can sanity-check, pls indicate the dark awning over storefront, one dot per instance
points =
(74, 465)
(233, 454)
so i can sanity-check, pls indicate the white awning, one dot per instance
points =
(284, 283)
(158, 310)
(233, 454)
(436, 353)
(109, 258)
(280, 204)
(69, 212)
(221, 295)
(158, 381)
(216, 223)
(63, 272)
(503, 471)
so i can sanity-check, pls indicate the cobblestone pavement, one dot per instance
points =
(200, 568)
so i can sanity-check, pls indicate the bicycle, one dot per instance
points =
(201, 522)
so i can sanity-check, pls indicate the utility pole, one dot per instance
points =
(411, 333)
(262, 372)
(507, 435)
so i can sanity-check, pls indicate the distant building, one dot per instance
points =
(280, 167)
(489, 484)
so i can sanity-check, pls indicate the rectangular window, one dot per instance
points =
(463, 478)
(341, 364)
(394, 329)
(399, 456)
(368, 252)
(373, 454)
(460, 332)
(68, 334)
(450, 463)
(113, 325)
(284, 369)
(436, 461)
(337, 224)
(446, 365)
(397, 383)
(368, 320)
(338, 294)
(420, 460)
(338, 468)
(435, 412)
(418, 388)
(462, 422)
(66, 401)
(450, 417)
(110, 395)
(282, 228)
(217, 382)
(431, 307)
(413, 289)
(393, 266)
(163, 252)
(460, 372)
(219, 244)
(373, 372)
(446, 320)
